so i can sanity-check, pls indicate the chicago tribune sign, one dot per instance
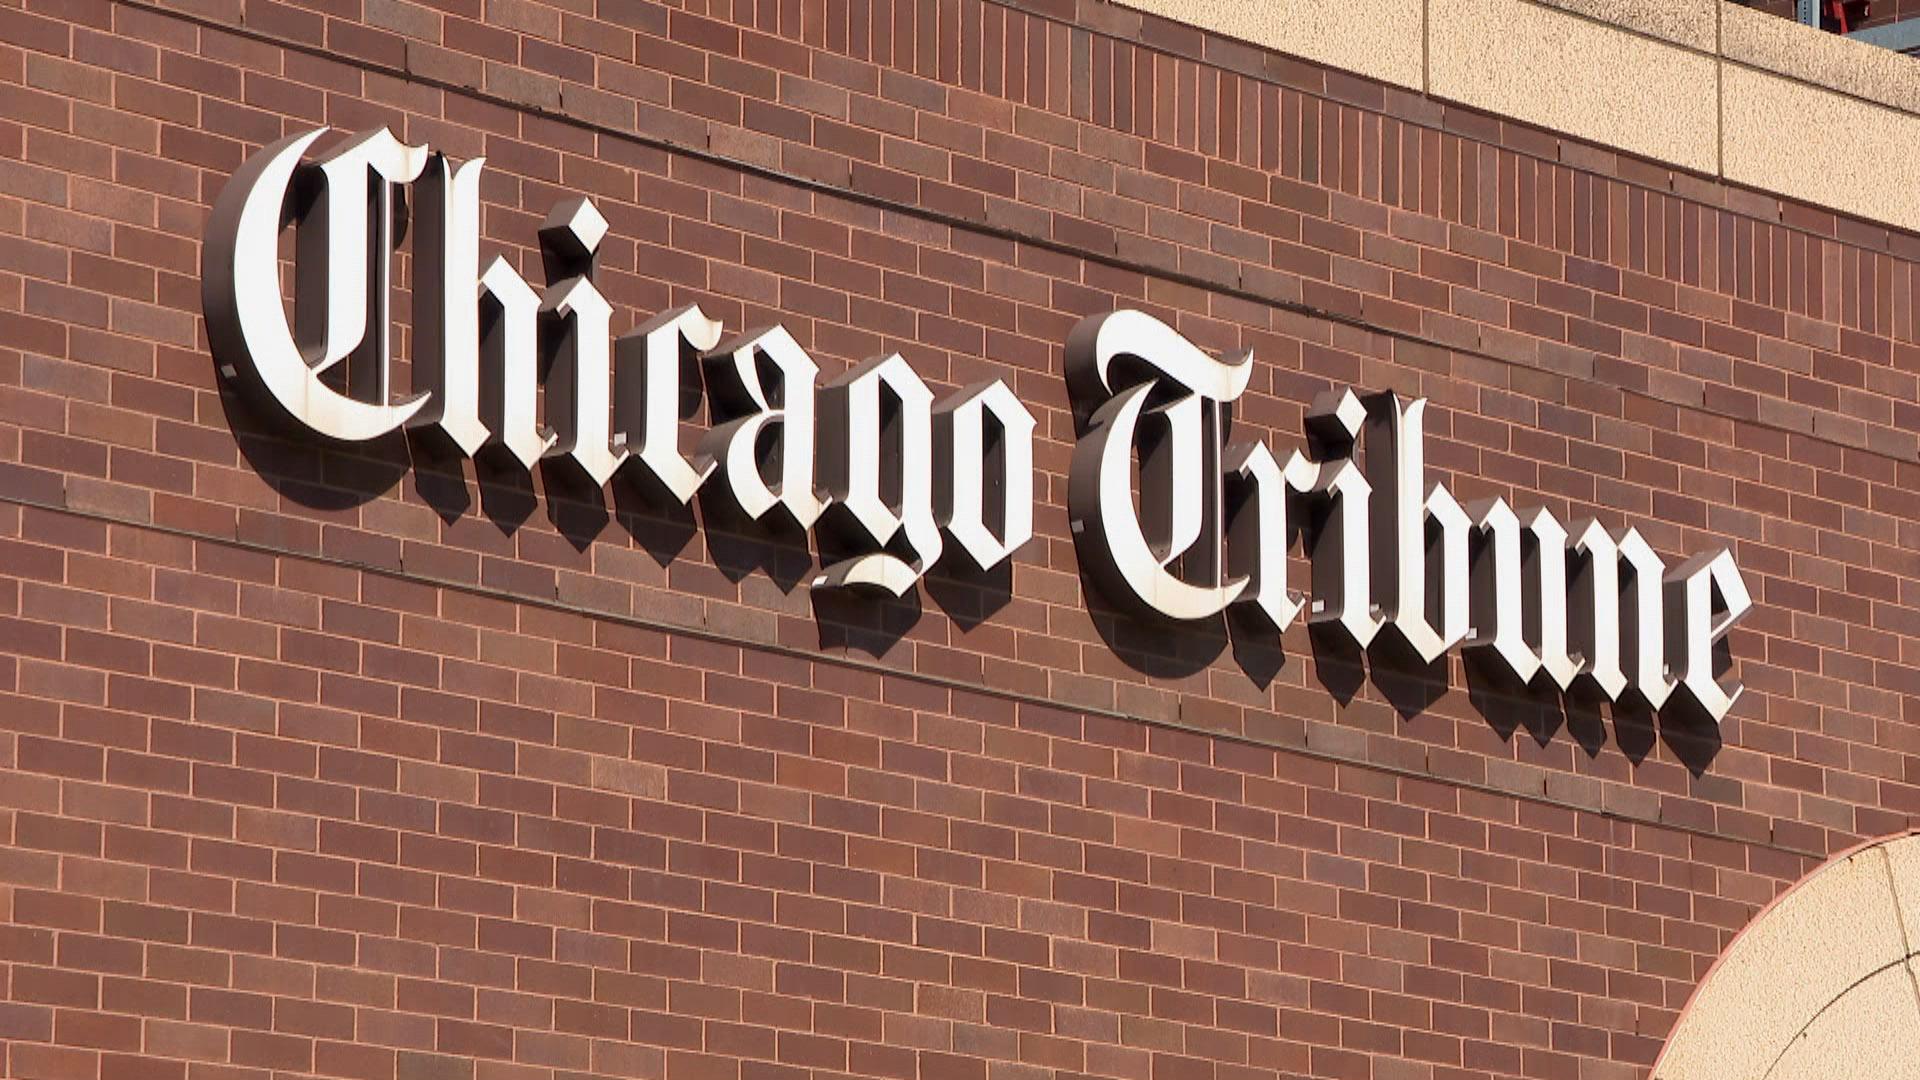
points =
(900, 479)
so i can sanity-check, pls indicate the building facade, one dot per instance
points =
(364, 759)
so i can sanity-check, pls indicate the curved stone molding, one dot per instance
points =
(1822, 983)
(1869, 1034)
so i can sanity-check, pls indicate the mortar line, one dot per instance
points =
(875, 667)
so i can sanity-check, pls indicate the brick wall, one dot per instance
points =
(373, 766)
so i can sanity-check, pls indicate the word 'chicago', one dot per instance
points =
(477, 349)
(1170, 517)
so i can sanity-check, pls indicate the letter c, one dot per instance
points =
(246, 320)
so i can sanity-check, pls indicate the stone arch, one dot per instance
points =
(1824, 984)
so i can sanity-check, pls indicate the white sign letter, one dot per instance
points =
(240, 288)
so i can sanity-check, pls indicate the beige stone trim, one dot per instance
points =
(1705, 85)
(1380, 39)
(1820, 986)
(1681, 22)
(1821, 147)
(1535, 64)
(1775, 45)
(1871, 1036)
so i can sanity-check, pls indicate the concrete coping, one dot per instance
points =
(1784, 47)
(1689, 23)
(1707, 86)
